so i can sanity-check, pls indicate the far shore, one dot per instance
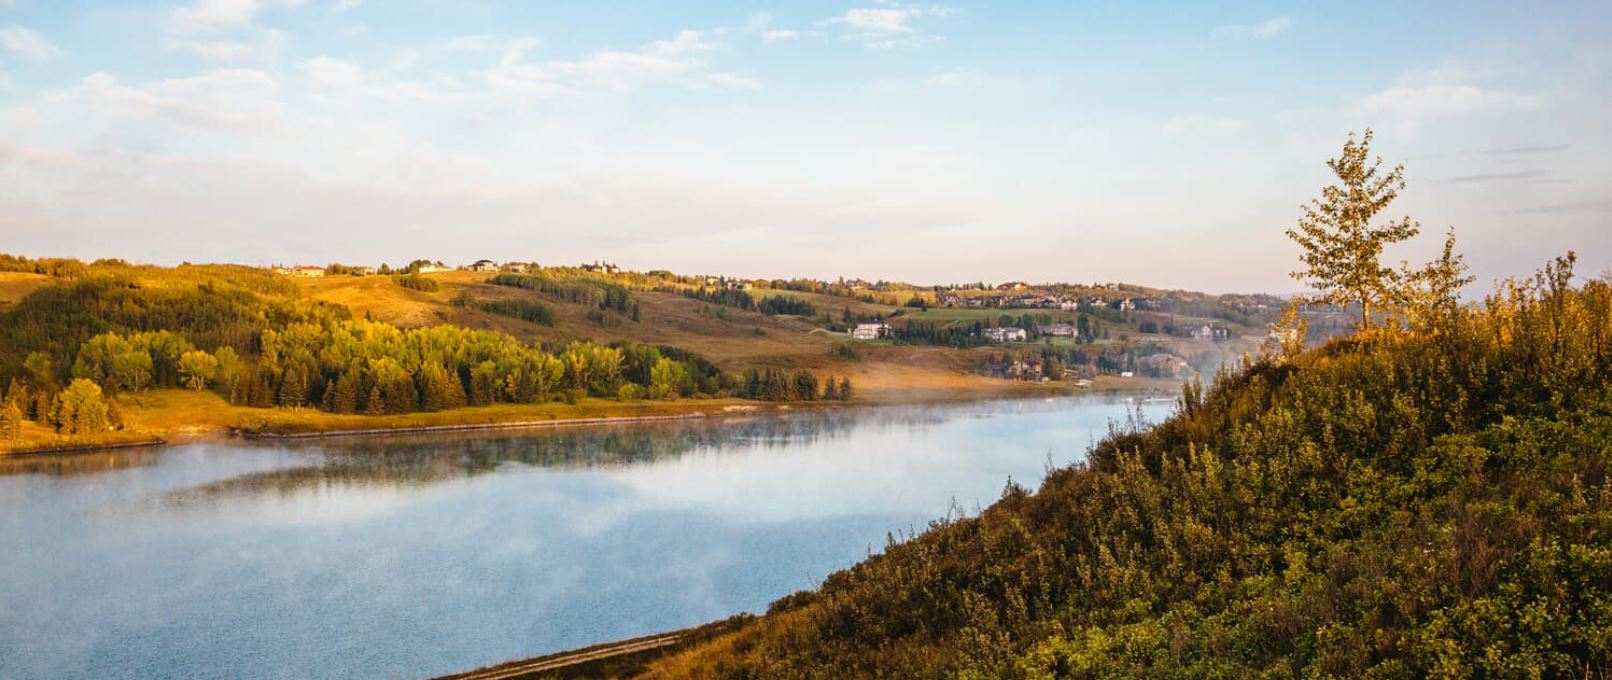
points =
(178, 416)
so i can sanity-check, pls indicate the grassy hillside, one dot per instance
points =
(1402, 505)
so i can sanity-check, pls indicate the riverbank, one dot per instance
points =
(175, 416)
(608, 660)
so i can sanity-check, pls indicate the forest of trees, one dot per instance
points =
(68, 348)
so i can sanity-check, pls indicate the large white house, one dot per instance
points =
(870, 331)
(1058, 330)
(1006, 334)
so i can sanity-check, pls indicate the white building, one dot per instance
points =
(870, 331)
(1058, 330)
(1006, 334)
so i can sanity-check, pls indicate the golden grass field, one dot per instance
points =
(15, 285)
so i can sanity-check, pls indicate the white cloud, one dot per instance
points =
(204, 16)
(1433, 101)
(242, 100)
(779, 34)
(262, 44)
(1450, 89)
(729, 81)
(956, 78)
(328, 72)
(209, 15)
(345, 5)
(1185, 125)
(1268, 28)
(879, 19)
(888, 26)
(605, 69)
(29, 44)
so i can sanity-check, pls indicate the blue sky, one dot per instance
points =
(1160, 144)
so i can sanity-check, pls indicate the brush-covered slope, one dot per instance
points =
(1403, 505)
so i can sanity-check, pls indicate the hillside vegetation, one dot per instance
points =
(1399, 505)
(1427, 498)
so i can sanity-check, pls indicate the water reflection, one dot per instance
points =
(412, 555)
(64, 465)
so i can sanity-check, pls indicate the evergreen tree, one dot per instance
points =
(374, 405)
(483, 384)
(10, 421)
(805, 386)
(831, 391)
(293, 389)
(344, 395)
(845, 389)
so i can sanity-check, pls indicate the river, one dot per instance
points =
(411, 556)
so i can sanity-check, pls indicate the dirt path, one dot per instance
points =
(564, 660)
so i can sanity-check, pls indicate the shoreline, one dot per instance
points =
(473, 427)
(154, 442)
(163, 439)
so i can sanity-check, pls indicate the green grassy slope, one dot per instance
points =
(1399, 506)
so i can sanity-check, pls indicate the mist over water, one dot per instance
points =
(413, 556)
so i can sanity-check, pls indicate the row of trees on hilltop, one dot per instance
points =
(603, 295)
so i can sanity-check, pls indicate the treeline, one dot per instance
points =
(786, 304)
(726, 297)
(793, 385)
(525, 310)
(740, 299)
(375, 368)
(602, 295)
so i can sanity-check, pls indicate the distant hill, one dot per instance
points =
(937, 351)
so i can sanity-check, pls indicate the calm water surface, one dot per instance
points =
(413, 556)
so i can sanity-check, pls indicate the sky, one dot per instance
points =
(1163, 144)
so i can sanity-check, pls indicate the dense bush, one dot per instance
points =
(418, 282)
(1433, 501)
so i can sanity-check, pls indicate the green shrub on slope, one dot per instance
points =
(1404, 504)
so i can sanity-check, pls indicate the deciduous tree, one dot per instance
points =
(1342, 249)
(197, 368)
